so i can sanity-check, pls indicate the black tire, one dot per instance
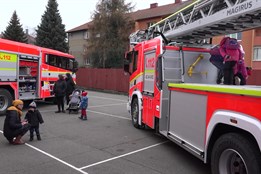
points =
(5, 101)
(135, 114)
(235, 154)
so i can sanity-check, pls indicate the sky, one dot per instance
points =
(73, 12)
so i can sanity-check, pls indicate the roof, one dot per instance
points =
(158, 11)
(81, 27)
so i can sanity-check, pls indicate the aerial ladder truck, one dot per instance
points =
(173, 86)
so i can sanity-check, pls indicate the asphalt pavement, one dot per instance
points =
(106, 143)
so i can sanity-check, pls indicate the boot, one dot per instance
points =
(39, 137)
(18, 140)
(80, 117)
(11, 141)
(84, 118)
(31, 138)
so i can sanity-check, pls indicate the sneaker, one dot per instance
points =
(237, 80)
(57, 111)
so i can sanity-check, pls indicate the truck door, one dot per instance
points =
(151, 52)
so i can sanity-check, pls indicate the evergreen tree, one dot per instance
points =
(14, 30)
(109, 33)
(51, 32)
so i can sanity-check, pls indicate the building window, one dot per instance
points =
(87, 61)
(257, 54)
(86, 35)
(237, 36)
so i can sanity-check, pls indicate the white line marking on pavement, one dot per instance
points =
(116, 116)
(120, 156)
(91, 107)
(51, 156)
(101, 113)
(108, 98)
(107, 105)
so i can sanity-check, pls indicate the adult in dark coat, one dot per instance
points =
(70, 86)
(14, 127)
(60, 92)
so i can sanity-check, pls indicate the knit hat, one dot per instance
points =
(17, 102)
(32, 105)
(84, 93)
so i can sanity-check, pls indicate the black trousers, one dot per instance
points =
(242, 79)
(229, 72)
(60, 102)
(18, 132)
(36, 129)
(68, 98)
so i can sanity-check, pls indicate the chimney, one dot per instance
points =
(177, 1)
(154, 5)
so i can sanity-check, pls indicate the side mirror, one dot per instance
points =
(75, 66)
(126, 66)
(127, 62)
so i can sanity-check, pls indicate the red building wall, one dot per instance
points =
(255, 78)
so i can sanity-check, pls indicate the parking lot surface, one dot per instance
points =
(106, 143)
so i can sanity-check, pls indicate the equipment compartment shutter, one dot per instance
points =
(8, 69)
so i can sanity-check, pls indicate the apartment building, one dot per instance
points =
(78, 36)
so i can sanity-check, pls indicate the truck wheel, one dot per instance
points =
(135, 114)
(5, 100)
(235, 154)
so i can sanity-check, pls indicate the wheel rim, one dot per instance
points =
(135, 112)
(231, 162)
(3, 102)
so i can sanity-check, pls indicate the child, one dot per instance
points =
(34, 117)
(84, 105)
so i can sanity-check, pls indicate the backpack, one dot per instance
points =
(230, 43)
(214, 51)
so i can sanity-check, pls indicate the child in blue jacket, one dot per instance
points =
(84, 105)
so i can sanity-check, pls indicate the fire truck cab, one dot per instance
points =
(28, 72)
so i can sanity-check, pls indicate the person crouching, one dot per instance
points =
(34, 117)
(14, 127)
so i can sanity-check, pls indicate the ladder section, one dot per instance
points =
(171, 67)
(203, 19)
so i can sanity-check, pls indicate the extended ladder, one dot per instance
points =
(203, 19)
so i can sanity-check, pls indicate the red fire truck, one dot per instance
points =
(173, 86)
(28, 72)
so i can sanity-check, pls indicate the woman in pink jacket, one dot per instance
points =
(230, 50)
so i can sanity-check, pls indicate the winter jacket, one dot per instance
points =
(60, 88)
(34, 117)
(70, 85)
(230, 55)
(12, 122)
(84, 102)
